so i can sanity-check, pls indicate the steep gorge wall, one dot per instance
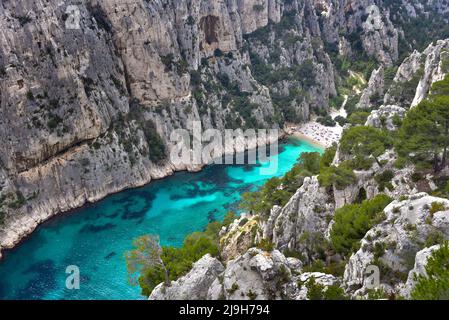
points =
(81, 110)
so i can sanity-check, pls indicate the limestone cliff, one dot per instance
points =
(90, 91)
(258, 250)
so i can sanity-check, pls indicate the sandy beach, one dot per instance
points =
(319, 134)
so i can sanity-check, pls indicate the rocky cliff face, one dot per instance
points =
(393, 244)
(90, 91)
(412, 226)
(417, 73)
(257, 274)
(302, 223)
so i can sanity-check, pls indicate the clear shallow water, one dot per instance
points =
(95, 237)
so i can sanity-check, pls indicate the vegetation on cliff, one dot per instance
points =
(424, 135)
(434, 285)
(172, 262)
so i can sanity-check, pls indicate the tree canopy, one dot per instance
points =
(364, 143)
(424, 135)
(352, 221)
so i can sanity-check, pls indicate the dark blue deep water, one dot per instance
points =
(95, 237)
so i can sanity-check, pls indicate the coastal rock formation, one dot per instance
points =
(89, 96)
(386, 117)
(366, 186)
(435, 67)
(256, 274)
(374, 90)
(409, 226)
(192, 286)
(417, 73)
(238, 237)
(91, 92)
(301, 224)
(380, 36)
(395, 248)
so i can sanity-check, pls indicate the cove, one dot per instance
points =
(95, 237)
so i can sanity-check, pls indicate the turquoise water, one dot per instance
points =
(95, 237)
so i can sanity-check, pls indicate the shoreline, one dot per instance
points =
(30, 229)
(318, 134)
(309, 139)
(18, 236)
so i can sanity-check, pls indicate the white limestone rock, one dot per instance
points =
(392, 244)
(301, 224)
(375, 88)
(194, 285)
(384, 117)
(418, 269)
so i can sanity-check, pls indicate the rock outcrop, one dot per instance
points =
(302, 223)
(256, 274)
(387, 117)
(374, 90)
(238, 237)
(417, 73)
(419, 269)
(194, 285)
(409, 226)
(91, 91)
(90, 94)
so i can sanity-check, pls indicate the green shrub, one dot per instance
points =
(423, 136)
(234, 287)
(341, 120)
(363, 143)
(328, 157)
(340, 177)
(258, 7)
(251, 295)
(155, 143)
(435, 285)
(316, 291)
(18, 202)
(436, 206)
(53, 121)
(168, 60)
(195, 78)
(265, 245)
(2, 217)
(179, 261)
(218, 53)
(384, 180)
(358, 118)
(30, 95)
(326, 121)
(352, 221)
